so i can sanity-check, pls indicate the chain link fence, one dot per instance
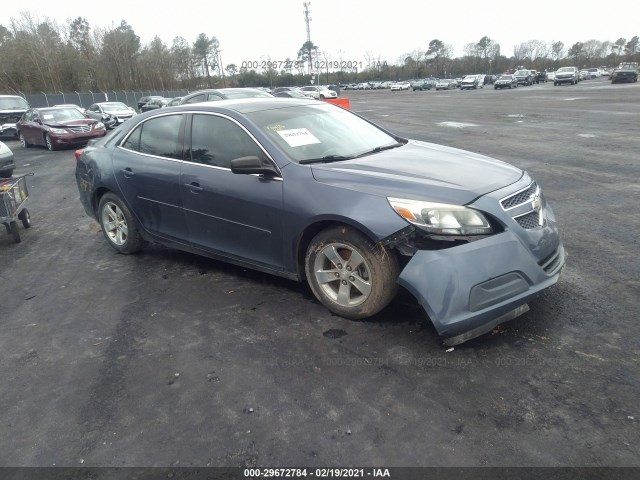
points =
(86, 99)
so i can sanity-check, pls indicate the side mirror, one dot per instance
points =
(253, 165)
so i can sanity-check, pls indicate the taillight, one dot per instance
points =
(78, 153)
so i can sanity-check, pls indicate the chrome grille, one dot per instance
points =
(525, 206)
(529, 221)
(80, 128)
(519, 198)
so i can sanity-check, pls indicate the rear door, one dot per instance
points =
(147, 169)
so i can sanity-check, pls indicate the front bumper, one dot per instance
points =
(565, 79)
(7, 163)
(8, 129)
(77, 140)
(469, 289)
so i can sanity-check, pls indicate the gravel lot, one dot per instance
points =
(168, 359)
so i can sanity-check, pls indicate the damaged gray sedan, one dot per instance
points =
(313, 192)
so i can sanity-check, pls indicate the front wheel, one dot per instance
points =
(23, 141)
(350, 275)
(49, 143)
(118, 225)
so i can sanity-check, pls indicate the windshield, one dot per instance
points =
(13, 103)
(114, 107)
(470, 77)
(308, 132)
(505, 77)
(565, 69)
(62, 115)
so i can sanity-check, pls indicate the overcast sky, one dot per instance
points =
(250, 30)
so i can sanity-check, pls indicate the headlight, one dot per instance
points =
(440, 218)
(98, 125)
(57, 130)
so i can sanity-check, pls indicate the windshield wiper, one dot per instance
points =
(327, 159)
(379, 149)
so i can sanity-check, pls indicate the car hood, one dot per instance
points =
(421, 171)
(73, 123)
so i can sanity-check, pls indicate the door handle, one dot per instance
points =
(194, 187)
(127, 172)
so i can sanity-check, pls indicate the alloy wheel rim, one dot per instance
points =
(115, 223)
(343, 274)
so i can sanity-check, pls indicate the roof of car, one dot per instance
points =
(247, 105)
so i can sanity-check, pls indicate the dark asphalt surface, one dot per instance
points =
(169, 359)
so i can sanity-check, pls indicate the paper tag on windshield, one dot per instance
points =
(47, 117)
(298, 137)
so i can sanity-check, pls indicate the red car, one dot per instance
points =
(57, 127)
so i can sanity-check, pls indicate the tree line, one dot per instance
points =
(41, 55)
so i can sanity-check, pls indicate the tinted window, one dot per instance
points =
(158, 136)
(196, 99)
(216, 141)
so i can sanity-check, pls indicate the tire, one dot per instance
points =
(25, 218)
(321, 97)
(49, 143)
(6, 174)
(15, 233)
(23, 141)
(118, 225)
(353, 293)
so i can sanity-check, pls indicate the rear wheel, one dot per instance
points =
(352, 276)
(118, 225)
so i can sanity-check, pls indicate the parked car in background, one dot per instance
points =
(551, 75)
(315, 193)
(155, 103)
(111, 114)
(534, 74)
(594, 73)
(399, 86)
(524, 77)
(505, 81)
(7, 162)
(625, 72)
(12, 107)
(290, 94)
(472, 82)
(143, 100)
(566, 75)
(58, 127)
(446, 84)
(424, 84)
(584, 75)
(541, 77)
(318, 92)
(283, 89)
(212, 95)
